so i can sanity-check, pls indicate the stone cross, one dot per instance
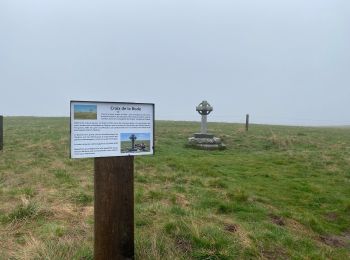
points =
(133, 138)
(204, 109)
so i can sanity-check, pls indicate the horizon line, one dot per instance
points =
(223, 121)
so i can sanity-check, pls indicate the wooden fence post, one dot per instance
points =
(247, 122)
(114, 208)
(1, 132)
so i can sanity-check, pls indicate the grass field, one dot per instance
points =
(85, 115)
(275, 193)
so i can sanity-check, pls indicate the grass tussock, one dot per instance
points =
(24, 211)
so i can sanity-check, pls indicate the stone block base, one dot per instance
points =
(210, 142)
(200, 135)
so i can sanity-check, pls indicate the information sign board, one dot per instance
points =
(105, 129)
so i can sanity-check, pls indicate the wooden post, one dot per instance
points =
(247, 122)
(114, 208)
(1, 132)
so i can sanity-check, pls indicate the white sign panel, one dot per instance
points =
(103, 129)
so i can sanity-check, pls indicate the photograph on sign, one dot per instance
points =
(85, 112)
(139, 142)
(104, 129)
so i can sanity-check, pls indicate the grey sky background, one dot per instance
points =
(283, 62)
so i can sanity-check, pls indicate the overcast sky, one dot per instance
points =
(281, 61)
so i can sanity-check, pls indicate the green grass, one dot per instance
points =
(276, 192)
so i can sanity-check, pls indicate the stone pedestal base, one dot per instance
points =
(200, 135)
(205, 142)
